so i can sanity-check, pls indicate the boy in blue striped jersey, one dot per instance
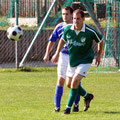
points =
(67, 13)
(79, 37)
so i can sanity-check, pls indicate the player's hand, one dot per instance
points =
(55, 58)
(98, 60)
(46, 59)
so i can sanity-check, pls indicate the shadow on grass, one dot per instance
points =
(97, 112)
(111, 112)
(105, 112)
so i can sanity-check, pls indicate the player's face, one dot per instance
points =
(66, 16)
(78, 21)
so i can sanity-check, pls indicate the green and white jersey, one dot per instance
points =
(80, 44)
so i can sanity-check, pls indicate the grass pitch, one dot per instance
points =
(30, 96)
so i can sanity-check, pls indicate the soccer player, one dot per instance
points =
(67, 14)
(79, 37)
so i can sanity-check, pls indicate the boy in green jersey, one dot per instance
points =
(80, 39)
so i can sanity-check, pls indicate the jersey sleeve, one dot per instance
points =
(64, 36)
(97, 37)
(54, 36)
(65, 32)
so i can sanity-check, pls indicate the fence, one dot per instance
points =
(29, 12)
(27, 8)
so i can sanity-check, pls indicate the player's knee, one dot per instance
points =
(76, 80)
(74, 84)
(68, 85)
(68, 82)
(60, 81)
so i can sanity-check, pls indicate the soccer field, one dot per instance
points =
(30, 96)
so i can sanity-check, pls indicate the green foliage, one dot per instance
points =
(3, 21)
(30, 96)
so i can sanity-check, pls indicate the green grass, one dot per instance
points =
(30, 96)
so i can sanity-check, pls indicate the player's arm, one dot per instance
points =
(100, 53)
(53, 38)
(48, 50)
(56, 55)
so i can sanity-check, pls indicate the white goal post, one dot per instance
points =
(38, 32)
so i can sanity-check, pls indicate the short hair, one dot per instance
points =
(79, 11)
(68, 8)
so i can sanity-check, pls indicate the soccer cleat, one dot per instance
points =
(87, 102)
(75, 107)
(57, 110)
(67, 111)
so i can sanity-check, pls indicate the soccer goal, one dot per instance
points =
(38, 18)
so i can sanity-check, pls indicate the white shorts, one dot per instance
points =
(81, 69)
(62, 65)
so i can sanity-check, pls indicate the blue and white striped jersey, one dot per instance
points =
(57, 34)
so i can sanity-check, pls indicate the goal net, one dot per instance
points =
(38, 19)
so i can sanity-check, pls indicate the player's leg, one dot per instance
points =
(58, 93)
(68, 83)
(82, 70)
(76, 102)
(79, 73)
(72, 95)
(61, 71)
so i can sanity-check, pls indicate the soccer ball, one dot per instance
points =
(14, 33)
